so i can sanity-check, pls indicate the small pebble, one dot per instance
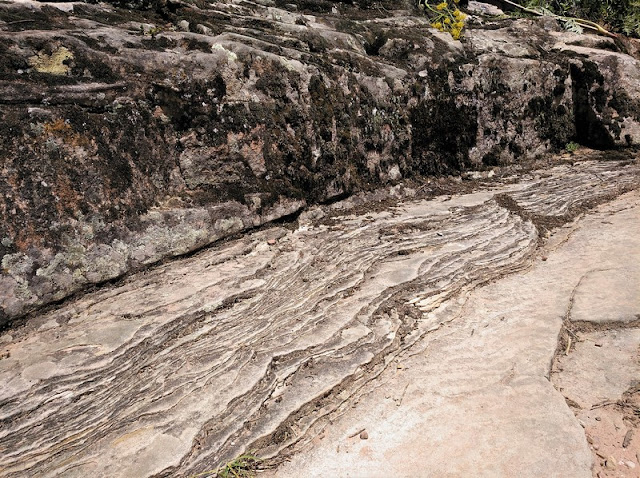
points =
(610, 463)
(630, 464)
(364, 435)
(597, 419)
(203, 29)
(271, 242)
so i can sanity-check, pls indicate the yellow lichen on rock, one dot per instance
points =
(53, 64)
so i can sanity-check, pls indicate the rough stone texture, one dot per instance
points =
(597, 368)
(259, 342)
(610, 295)
(131, 136)
(609, 359)
(474, 398)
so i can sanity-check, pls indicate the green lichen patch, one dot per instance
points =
(57, 63)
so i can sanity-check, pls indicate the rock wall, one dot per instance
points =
(129, 136)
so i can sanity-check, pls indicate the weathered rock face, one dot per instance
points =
(131, 136)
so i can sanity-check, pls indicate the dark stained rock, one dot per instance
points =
(126, 140)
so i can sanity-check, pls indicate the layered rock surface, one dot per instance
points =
(132, 136)
(258, 343)
(598, 367)
(477, 398)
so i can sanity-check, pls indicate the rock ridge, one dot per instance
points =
(133, 136)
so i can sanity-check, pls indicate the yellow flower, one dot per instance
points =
(459, 25)
(441, 6)
(447, 20)
(458, 14)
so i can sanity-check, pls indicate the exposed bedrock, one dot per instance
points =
(132, 136)
(250, 344)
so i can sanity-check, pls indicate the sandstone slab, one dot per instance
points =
(259, 342)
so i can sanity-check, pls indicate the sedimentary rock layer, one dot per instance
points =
(248, 344)
(133, 136)
(479, 397)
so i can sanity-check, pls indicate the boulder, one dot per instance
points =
(128, 139)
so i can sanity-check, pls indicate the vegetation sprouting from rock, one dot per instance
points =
(615, 15)
(445, 16)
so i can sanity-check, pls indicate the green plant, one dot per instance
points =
(574, 24)
(243, 466)
(152, 32)
(616, 15)
(445, 16)
(571, 147)
(631, 20)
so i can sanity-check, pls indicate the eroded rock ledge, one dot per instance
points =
(132, 136)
